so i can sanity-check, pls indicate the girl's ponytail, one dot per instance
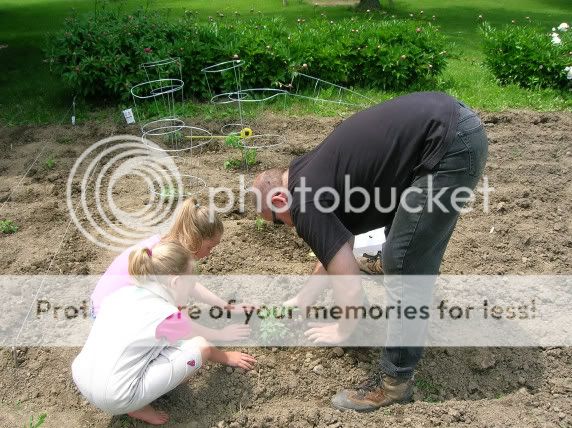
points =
(167, 258)
(141, 263)
(193, 224)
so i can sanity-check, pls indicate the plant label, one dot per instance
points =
(129, 118)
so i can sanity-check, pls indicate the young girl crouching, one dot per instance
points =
(141, 346)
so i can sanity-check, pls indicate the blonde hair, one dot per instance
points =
(168, 258)
(193, 225)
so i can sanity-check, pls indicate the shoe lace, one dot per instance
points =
(372, 258)
(371, 383)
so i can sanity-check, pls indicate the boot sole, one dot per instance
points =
(345, 409)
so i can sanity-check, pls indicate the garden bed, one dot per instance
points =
(526, 232)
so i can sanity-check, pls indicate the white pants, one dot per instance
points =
(164, 373)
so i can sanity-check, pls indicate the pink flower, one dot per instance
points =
(148, 50)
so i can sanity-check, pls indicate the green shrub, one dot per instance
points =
(100, 56)
(379, 54)
(527, 56)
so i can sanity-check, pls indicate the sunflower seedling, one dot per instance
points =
(234, 141)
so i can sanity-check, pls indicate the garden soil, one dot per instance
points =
(526, 231)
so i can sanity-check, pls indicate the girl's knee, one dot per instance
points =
(204, 346)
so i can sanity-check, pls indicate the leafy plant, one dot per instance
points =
(271, 328)
(50, 162)
(168, 193)
(8, 227)
(249, 156)
(232, 164)
(38, 423)
(527, 55)
(174, 138)
(260, 224)
(234, 140)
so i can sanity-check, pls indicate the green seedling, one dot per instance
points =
(50, 162)
(248, 155)
(260, 224)
(271, 329)
(38, 423)
(169, 192)
(232, 164)
(8, 227)
(174, 138)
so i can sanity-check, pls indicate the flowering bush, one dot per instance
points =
(100, 57)
(530, 56)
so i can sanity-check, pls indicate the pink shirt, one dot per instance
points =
(117, 274)
(175, 327)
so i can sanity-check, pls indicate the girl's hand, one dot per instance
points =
(240, 360)
(235, 332)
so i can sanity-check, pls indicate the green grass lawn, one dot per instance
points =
(30, 94)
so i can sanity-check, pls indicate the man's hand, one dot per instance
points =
(240, 360)
(234, 332)
(326, 333)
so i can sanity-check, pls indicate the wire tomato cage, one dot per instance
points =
(225, 87)
(313, 88)
(158, 104)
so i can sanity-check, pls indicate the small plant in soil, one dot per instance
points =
(37, 423)
(232, 164)
(169, 192)
(174, 138)
(50, 162)
(248, 155)
(8, 226)
(272, 328)
(260, 224)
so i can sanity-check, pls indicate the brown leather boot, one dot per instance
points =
(370, 264)
(377, 391)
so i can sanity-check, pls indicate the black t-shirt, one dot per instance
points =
(378, 149)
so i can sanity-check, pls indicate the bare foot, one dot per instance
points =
(150, 415)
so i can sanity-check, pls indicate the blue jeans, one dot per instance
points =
(416, 241)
